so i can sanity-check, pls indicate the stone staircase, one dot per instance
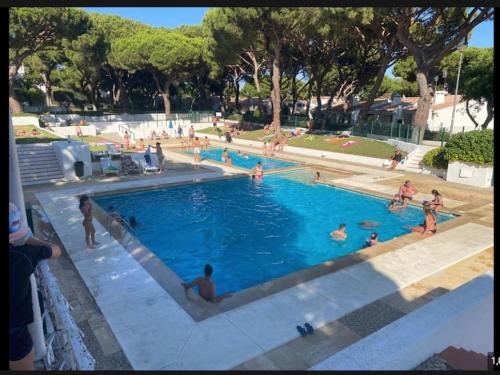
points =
(414, 161)
(38, 164)
(462, 359)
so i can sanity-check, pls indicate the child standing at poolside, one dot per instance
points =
(86, 210)
(196, 152)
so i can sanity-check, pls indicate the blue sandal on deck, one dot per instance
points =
(309, 328)
(302, 331)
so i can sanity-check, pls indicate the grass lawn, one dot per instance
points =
(44, 136)
(363, 147)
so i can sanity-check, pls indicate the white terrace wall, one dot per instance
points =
(442, 118)
(460, 318)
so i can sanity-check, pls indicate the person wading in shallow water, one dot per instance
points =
(206, 286)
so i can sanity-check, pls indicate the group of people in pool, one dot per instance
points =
(400, 201)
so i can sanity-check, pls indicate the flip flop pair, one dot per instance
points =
(308, 330)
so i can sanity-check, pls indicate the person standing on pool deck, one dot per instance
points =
(224, 155)
(159, 155)
(206, 286)
(86, 210)
(429, 226)
(191, 134)
(340, 233)
(179, 131)
(196, 152)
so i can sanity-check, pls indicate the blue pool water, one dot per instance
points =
(253, 231)
(241, 161)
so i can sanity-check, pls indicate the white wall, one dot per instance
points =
(67, 153)
(460, 318)
(443, 116)
(470, 174)
(64, 131)
(24, 120)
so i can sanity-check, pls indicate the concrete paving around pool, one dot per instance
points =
(155, 332)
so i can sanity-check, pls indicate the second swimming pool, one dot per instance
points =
(252, 231)
(245, 161)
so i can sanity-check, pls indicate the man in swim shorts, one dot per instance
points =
(404, 196)
(206, 286)
(340, 233)
(196, 152)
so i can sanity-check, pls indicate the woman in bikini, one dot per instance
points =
(429, 226)
(196, 152)
(436, 204)
(86, 210)
(258, 170)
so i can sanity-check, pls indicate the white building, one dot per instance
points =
(442, 111)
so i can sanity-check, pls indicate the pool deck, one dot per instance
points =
(155, 332)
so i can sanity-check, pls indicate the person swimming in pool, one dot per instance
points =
(229, 160)
(316, 177)
(245, 155)
(340, 233)
(373, 240)
(206, 286)
(369, 224)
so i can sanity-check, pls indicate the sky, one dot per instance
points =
(482, 35)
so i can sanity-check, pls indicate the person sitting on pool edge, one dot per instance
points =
(373, 240)
(436, 204)
(340, 233)
(429, 226)
(404, 196)
(206, 286)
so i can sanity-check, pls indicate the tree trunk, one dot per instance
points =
(276, 93)
(373, 93)
(48, 89)
(166, 99)
(476, 124)
(14, 104)
(424, 106)
(309, 96)
(489, 109)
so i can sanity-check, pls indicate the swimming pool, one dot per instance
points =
(249, 161)
(253, 231)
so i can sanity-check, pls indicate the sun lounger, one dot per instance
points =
(107, 167)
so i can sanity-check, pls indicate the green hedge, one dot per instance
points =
(431, 135)
(474, 146)
(435, 158)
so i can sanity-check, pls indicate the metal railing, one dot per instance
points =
(379, 130)
(65, 349)
(64, 340)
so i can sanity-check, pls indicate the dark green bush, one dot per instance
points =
(430, 135)
(474, 147)
(435, 158)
